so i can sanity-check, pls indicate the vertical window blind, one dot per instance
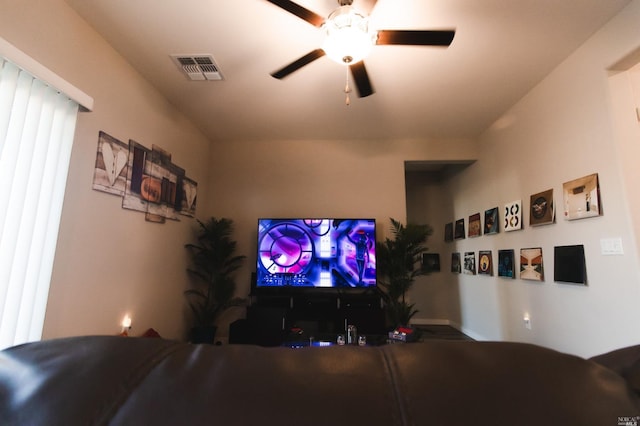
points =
(37, 125)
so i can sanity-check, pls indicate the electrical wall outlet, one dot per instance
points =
(527, 321)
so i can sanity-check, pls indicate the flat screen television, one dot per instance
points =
(316, 253)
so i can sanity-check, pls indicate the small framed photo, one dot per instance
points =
(458, 232)
(448, 232)
(582, 198)
(506, 263)
(475, 227)
(469, 263)
(542, 211)
(569, 264)
(456, 265)
(485, 262)
(431, 262)
(491, 221)
(513, 216)
(531, 267)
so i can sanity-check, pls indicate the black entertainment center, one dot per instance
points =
(314, 277)
(275, 319)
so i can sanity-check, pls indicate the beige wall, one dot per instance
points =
(562, 130)
(435, 298)
(315, 179)
(625, 101)
(109, 261)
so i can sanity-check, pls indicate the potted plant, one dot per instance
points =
(213, 263)
(398, 265)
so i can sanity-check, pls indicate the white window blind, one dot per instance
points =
(37, 125)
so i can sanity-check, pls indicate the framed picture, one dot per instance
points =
(531, 267)
(513, 216)
(448, 232)
(456, 266)
(485, 262)
(475, 227)
(506, 263)
(569, 264)
(491, 222)
(542, 210)
(110, 174)
(189, 197)
(582, 198)
(431, 262)
(458, 231)
(469, 263)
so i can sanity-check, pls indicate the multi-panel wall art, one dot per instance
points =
(146, 179)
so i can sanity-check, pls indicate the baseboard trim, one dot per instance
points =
(432, 321)
(436, 321)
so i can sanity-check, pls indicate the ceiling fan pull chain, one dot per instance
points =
(347, 89)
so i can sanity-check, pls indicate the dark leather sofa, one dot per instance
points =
(142, 381)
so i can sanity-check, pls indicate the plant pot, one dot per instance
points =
(204, 334)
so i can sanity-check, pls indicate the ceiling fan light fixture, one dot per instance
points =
(348, 39)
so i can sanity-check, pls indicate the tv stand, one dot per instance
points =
(275, 318)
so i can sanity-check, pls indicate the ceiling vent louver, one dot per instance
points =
(198, 67)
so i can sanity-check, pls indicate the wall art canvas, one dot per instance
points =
(569, 264)
(475, 227)
(582, 198)
(491, 221)
(456, 265)
(136, 196)
(513, 216)
(531, 267)
(448, 232)
(485, 262)
(156, 186)
(430, 262)
(165, 178)
(542, 211)
(506, 263)
(189, 197)
(110, 174)
(458, 231)
(469, 263)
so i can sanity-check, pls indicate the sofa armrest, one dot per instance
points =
(625, 362)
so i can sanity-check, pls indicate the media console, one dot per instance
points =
(273, 319)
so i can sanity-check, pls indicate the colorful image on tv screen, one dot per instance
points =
(316, 253)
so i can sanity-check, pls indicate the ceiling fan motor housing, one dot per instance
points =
(348, 37)
(348, 40)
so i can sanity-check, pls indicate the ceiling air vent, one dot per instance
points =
(198, 67)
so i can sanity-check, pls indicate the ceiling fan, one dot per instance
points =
(349, 39)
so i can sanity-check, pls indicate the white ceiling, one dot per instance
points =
(502, 48)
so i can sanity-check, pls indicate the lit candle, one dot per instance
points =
(126, 322)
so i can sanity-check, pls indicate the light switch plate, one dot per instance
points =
(611, 246)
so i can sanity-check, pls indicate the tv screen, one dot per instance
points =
(316, 253)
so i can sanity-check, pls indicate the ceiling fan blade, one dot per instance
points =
(299, 63)
(416, 37)
(361, 78)
(301, 12)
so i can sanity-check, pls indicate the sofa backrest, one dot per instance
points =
(114, 380)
